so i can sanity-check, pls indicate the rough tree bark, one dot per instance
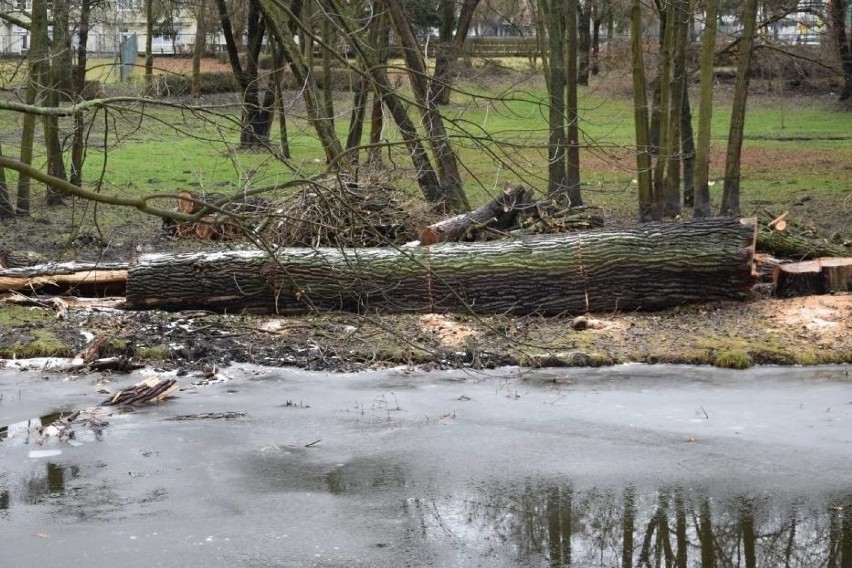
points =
(649, 267)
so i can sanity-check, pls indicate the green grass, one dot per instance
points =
(500, 134)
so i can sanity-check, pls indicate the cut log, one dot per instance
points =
(87, 278)
(496, 215)
(813, 277)
(648, 267)
(780, 237)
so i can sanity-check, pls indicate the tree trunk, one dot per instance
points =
(84, 278)
(6, 209)
(427, 179)
(572, 150)
(380, 36)
(838, 19)
(277, 77)
(687, 148)
(705, 113)
(648, 206)
(677, 93)
(731, 193)
(445, 157)
(648, 267)
(303, 73)
(449, 49)
(665, 147)
(199, 47)
(149, 39)
(78, 146)
(553, 12)
(583, 19)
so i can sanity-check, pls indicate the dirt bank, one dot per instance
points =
(810, 330)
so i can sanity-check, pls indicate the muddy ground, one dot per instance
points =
(810, 330)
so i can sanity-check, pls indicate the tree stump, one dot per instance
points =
(813, 277)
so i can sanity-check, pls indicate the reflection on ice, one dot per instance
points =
(554, 524)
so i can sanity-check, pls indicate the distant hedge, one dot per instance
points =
(211, 84)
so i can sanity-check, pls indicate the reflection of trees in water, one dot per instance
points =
(557, 525)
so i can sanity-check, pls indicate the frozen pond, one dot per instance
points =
(556, 467)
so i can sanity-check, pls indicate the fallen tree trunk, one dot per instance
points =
(813, 277)
(649, 267)
(88, 278)
(497, 214)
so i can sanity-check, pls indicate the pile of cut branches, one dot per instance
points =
(337, 212)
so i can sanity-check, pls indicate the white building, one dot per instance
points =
(110, 24)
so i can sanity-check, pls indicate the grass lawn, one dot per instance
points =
(797, 152)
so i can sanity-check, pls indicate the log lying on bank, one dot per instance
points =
(649, 267)
(89, 278)
(813, 277)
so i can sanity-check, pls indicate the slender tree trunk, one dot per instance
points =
(427, 179)
(6, 209)
(572, 150)
(677, 92)
(297, 57)
(256, 121)
(22, 205)
(705, 113)
(687, 148)
(445, 157)
(553, 12)
(597, 20)
(356, 121)
(731, 194)
(583, 19)
(838, 19)
(61, 49)
(78, 142)
(449, 49)
(381, 30)
(199, 47)
(327, 87)
(149, 39)
(665, 142)
(648, 206)
(277, 80)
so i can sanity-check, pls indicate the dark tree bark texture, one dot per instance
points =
(649, 267)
